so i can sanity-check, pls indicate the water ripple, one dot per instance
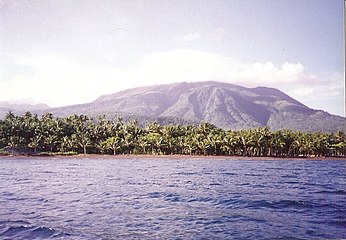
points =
(176, 199)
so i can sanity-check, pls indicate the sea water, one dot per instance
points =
(201, 198)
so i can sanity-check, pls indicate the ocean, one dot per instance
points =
(162, 198)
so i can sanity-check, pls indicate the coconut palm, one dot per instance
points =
(113, 143)
(82, 134)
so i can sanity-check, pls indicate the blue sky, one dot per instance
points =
(63, 52)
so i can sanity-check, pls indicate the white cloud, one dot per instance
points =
(190, 37)
(214, 35)
(188, 65)
(57, 81)
(303, 92)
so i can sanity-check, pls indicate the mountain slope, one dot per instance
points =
(224, 105)
(19, 109)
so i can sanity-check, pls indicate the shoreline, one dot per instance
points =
(168, 157)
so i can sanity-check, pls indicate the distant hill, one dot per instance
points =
(225, 105)
(19, 109)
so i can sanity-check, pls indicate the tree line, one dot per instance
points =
(81, 134)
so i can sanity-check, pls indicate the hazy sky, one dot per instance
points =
(63, 52)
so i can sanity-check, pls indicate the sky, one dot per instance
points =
(63, 52)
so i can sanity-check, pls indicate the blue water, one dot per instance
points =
(171, 199)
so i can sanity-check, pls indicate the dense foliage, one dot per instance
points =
(81, 134)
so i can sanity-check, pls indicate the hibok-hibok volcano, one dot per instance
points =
(225, 105)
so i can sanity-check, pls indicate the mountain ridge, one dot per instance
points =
(225, 105)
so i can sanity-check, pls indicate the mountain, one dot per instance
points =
(19, 109)
(225, 105)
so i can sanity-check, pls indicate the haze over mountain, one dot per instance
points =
(225, 105)
(19, 108)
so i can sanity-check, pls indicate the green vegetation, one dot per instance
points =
(81, 134)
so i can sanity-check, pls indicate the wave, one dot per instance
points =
(291, 204)
(280, 204)
(341, 223)
(231, 203)
(236, 203)
(167, 196)
(336, 192)
(229, 174)
(23, 230)
(31, 232)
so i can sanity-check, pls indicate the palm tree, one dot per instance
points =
(35, 142)
(230, 142)
(142, 143)
(278, 143)
(14, 142)
(288, 139)
(113, 143)
(299, 145)
(81, 134)
(65, 144)
(247, 141)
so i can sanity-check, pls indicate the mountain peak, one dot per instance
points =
(225, 105)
